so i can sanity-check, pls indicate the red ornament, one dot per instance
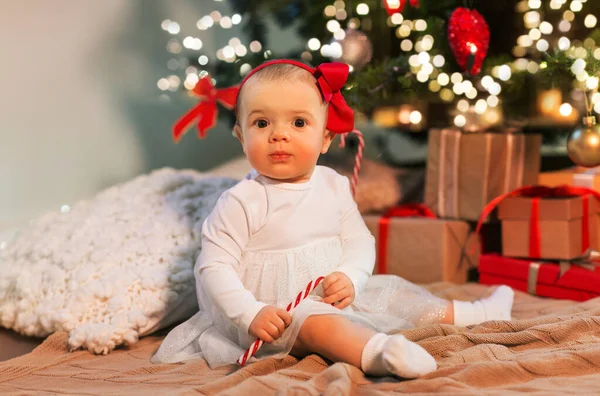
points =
(396, 6)
(469, 37)
(205, 111)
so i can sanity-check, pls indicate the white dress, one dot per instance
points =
(262, 244)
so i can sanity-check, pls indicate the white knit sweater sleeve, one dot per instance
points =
(225, 233)
(358, 245)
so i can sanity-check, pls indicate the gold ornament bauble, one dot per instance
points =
(357, 50)
(583, 144)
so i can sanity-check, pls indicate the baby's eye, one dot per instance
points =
(299, 122)
(261, 123)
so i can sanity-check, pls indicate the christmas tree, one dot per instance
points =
(418, 64)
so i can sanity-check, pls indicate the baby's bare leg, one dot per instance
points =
(334, 337)
(340, 340)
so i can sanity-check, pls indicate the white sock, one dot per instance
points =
(498, 306)
(385, 355)
(371, 361)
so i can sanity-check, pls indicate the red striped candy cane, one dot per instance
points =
(358, 159)
(301, 296)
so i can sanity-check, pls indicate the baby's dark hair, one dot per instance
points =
(277, 72)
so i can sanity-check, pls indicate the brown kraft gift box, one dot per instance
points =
(466, 170)
(423, 250)
(581, 177)
(561, 226)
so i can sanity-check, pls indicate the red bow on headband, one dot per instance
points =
(206, 111)
(331, 78)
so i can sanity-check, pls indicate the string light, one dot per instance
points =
(463, 105)
(314, 44)
(425, 61)
(504, 73)
(329, 11)
(534, 41)
(492, 101)
(415, 117)
(439, 60)
(590, 21)
(565, 109)
(255, 46)
(406, 45)
(173, 28)
(362, 9)
(163, 84)
(236, 19)
(333, 25)
(216, 16)
(481, 106)
(397, 18)
(443, 79)
(339, 35)
(460, 120)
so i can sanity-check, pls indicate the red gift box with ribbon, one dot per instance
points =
(540, 222)
(577, 280)
(465, 170)
(415, 245)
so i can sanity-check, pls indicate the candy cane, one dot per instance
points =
(358, 159)
(301, 296)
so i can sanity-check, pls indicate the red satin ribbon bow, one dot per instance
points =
(537, 193)
(406, 210)
(331, 78)
(205, 111)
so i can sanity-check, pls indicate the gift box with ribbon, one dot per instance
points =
(540, 222)
(465, 170)
(581, 177)
(577, 280)
(415, 245)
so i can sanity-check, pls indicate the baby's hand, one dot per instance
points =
(269, 323)
(339, 289)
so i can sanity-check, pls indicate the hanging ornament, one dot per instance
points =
(356, 47)
(396, 6)
(469, 38)
(583, 144)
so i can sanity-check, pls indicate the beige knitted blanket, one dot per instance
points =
(552, 347)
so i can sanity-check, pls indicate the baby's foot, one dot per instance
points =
(395, 355)
(407, 359)
(498, 306)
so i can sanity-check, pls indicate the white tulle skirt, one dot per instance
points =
(387, 304)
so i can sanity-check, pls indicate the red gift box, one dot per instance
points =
(541, 278)
(541, 222)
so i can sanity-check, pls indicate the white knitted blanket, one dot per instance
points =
(113, 268)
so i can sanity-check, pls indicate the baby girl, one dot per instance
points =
(292, 221)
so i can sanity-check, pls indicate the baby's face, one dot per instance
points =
(282, 128)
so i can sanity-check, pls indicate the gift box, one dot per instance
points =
(547, 279)
(549, 223)
(577, 176)
(423, 249)
(467, 170)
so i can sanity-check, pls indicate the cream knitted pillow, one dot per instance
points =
(113, 268)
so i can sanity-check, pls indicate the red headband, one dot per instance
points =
(331, 77)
